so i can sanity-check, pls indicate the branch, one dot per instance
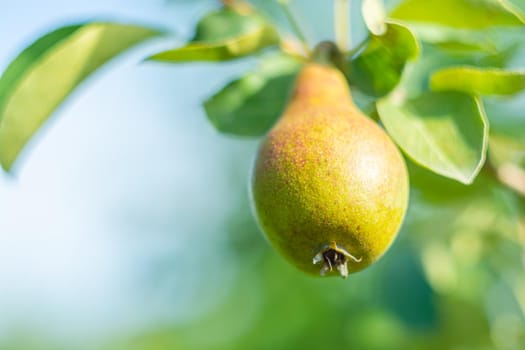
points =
(509, 175)
(295, 25)
(342, 24)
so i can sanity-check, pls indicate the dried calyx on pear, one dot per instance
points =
(329, 187)
(332, 257)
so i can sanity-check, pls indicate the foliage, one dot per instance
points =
(443, 131)
(44, 74)
(250, 106)
(441, 79)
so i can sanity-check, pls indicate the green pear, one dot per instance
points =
(329, 187)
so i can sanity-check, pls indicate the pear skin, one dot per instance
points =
(329, 188)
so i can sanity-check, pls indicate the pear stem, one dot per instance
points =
(327, 53)
(295, 25)
(356, 50)
(342, 24)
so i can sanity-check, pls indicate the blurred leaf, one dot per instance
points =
(408, 294)
(479, 80)
(226, 23)
(250, 105)
(507, 127)
(222, 51)
(45, 73)
(506, 116)
(490, 39)
(516, 5)
(445, 132)
(459, 13)
(374, 15)
(454, 39)
(224, 35)
(377, 69)
(443, 191)
(465, 324)
(19, 67)
(505, 150)
(416, 78)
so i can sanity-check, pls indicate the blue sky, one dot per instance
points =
(127, 173)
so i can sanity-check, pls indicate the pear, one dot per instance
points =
(329, 188)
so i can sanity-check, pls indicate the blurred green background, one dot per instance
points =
(129, 226)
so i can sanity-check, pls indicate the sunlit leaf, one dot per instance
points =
(416, 78)
(224, 35)
(460, 13)
(221, 51)
(250, 105)
(516, 7)
(445, 132)
(506, 116)
(374, 15)
(377, 69)
(507, 130)
(44, 74)
(506, 150)
(437, 189)
(479, 80)
(226, 23)
(455, 40)
(19, 67)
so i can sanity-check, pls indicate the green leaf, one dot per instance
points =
(224, 35)
(378, 68)
(445, 132)
(443, 190)
(506, 150)
(506, 116)
(479, 80)
(460, 13)
(455, 40)
(226, 23)
(45, 73)
(516, 7)
(507, 127)
(416, 78)
(222, 51)
(250, 105)
(19, 67)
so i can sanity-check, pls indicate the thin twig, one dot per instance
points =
(509, 175)
(295, 25)
(513, 177)
(357, 50)
(342, 24)
(238, 5)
